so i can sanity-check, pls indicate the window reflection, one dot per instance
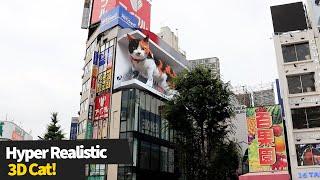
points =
(306, 117)
(296, 52)
(301, 83)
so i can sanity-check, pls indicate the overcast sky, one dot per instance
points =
(42, 48)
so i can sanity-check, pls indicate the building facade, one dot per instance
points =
(263, 97)
(297, 52)
(211, 63)
(116, 100)
(9, 131)
(169, 37)
(172, 39)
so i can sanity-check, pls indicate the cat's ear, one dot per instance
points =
(130, 37)
(146, 39)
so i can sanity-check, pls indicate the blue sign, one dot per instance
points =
(280, 100)
(102, 59)
(118, 16)
(307, 175)
(73, 131)
(95, 58)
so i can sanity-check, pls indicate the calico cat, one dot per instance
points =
(144, 64)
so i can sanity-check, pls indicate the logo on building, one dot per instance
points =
(136, 4)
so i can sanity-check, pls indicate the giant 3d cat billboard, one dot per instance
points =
(135, 60)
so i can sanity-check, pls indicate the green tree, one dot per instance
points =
(200, 112)
(54, 131)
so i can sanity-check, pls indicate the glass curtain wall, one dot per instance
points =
(142, 125)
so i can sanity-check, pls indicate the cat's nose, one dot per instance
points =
(138, 53)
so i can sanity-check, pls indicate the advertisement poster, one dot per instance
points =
(141, 9)
(267, 148)
(100, 7)
(102, 106)
(308, 154)
(104, 81)
(153, 71)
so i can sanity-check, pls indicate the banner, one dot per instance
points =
(58, 159)
(267, 148)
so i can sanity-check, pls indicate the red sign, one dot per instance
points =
(267, 156)
(265, 137)
(263, 119)
(102, 106)
(139, 8)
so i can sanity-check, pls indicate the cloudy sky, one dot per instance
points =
(42, 48)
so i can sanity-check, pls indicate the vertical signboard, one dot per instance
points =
(102, 106)
(267, 149)
(74, 128)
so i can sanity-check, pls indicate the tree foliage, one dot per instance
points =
(200, 112)
(54, 131)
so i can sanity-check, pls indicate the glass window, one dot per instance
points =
(296, 52)
(87, 68)
(313, 116)
(289, 53)
(142, 100)
(171, 160)
(131, 110)
(86, 86)
(306, 117)
(155, 153)
(303, 52)
(299, 118)
(301, 83)
(164, 129)
(171, 135)
(308, 154)
(164, 159)
(294, 84)
(308, 82)
(123, 126)
(145, 155)
(148, 102)
(89, 51)
(84, 106)
(124, 105)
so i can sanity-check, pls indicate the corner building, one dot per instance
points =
(116, 105)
